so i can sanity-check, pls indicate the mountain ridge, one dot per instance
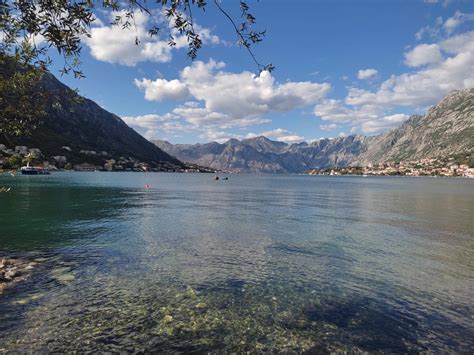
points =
(446, 129)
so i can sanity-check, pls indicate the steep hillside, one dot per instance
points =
(447, 129)
(82, 125)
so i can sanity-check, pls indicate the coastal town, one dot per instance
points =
(85, 160)
(450, 167)
(14, 158)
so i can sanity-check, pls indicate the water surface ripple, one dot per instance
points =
(255, 263)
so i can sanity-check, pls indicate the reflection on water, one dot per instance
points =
(269, 263)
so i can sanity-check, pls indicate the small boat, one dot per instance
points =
(32, 170)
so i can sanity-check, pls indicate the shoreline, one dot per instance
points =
(14, 173)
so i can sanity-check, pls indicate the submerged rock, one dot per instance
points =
(13, 270)
(62, 274)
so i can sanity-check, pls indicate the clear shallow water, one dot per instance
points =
(269, 263)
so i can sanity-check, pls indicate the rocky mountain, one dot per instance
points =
(82, 131)
(447, 129)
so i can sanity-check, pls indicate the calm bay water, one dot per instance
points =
(269, 263)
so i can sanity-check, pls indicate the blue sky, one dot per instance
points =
(342, 67)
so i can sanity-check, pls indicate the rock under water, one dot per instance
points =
(14, 270)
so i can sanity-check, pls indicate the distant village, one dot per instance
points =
(14, 158)
(424, 167)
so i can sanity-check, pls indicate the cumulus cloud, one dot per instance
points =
(202, 116)
(441, 67)
(218, 136)
(456, 20)
(113, 44)
(294, 138)
(423, 54)
(383, 123)
(269, 134)
(364, 74)
(161, 89)
(153, 126)
(425, 86)
(337, 111)
(223, 99)
(365, 119)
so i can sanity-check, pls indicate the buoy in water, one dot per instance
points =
(216, 178)
(147, 186)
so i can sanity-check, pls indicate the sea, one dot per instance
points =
(164, 262)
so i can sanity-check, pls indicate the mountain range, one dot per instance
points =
(447, 129)
(81, 131)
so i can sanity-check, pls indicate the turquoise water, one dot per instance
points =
(255, 263)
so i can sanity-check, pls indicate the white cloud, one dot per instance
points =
(447, 27)
(152, 126)
(113, 44)
(430, 31)
(328, 127)
(230, 99)
(279, 134)
(291, 139)
(423, 54)
(461, 43)
(336, 111)
(367, 119)
(161, 89)
(428, 85)
(269, 134)
(456, 20)
(445, 2)
(218, 136)
(383, 123)
(451, 67)
(204, 117)
(275, 133)
(364, 74)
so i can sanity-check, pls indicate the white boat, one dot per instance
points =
(32, 170)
